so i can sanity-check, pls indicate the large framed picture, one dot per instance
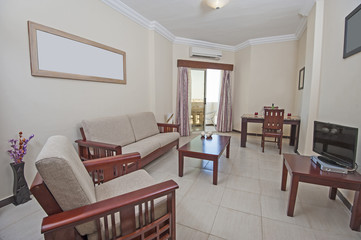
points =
(57, 54)
(301, 78)
(352, 39)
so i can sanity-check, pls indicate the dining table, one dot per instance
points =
(294, 121)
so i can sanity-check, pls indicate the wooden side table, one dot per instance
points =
(302, 169)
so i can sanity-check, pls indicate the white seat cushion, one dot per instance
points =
(165, 138)
(144, 147)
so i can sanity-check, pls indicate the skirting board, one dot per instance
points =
(6, 201)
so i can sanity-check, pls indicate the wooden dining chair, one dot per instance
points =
(273, 127)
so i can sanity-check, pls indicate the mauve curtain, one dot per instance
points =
(182, 110)
(224, 118)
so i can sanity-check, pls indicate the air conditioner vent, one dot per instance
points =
(205, 52)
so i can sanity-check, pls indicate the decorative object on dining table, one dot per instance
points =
(203, 133)
(256, 114)
(209, 135)
(17, 152)
(289, 114)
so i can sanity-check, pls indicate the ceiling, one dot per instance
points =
(234, 24)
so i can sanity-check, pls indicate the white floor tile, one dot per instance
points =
(211, 237)
(275, 230)
(242, 201)
(334, 220)
(276, 209)
(244, 184)
(196, 214)
(186, 233)
(234, 225)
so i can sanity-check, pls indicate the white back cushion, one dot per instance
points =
(144, 125)
(66, 177)
(114, 130)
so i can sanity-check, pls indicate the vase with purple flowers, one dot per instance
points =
(17, 152)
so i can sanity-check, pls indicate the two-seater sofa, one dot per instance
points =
(117, 135)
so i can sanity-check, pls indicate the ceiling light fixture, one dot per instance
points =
(217, 4)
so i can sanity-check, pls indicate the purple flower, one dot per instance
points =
(19, 148)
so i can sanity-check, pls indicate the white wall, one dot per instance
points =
(241, 94)
(339, 97)
(301, 59)
(46, 106)
(163, 77)
(266, 75)
(310, 95)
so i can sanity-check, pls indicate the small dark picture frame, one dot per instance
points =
(352, 38)
(301, 78)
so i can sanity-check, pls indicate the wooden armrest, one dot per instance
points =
(174, 125)
(168, 127)
(86, 143)
(110, 161)
(100, 209)
(93, 150)
(108, 168)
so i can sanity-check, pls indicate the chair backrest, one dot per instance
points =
(66, 177)
(270, 107)
(273, 119)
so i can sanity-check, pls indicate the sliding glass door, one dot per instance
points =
(205, 88)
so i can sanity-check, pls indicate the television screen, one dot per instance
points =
(335, 143)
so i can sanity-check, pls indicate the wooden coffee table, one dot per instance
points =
(203, 148)
(302, 169)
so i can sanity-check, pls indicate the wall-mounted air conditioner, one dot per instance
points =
(205, 52)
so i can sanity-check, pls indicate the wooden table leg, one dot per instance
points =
(180, 163)
(356, 213)
(244, 132)
(284, 176)
(297, 137)
(332, 193)
(293, 135)
(293, 195)
(228, 148)
(215, 171)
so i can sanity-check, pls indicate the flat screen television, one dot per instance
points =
(336, 144)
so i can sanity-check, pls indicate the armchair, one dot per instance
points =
(100, 199)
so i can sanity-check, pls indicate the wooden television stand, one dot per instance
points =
(302, 169)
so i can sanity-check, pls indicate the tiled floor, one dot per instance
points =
(246, 204)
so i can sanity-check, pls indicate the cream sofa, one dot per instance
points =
(126, 134)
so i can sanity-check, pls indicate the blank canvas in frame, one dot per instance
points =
(58, 54)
